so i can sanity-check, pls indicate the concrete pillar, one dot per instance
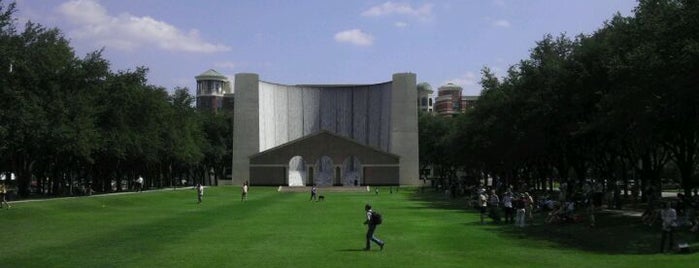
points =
(246, 126)
(404, 132)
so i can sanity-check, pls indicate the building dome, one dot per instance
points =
(450, 87)
(211, 74)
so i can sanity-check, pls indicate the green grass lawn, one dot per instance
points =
(273, 229)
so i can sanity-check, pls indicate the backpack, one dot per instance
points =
(376, 218)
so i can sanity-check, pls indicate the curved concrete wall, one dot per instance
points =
(383, 116)
(361, 113)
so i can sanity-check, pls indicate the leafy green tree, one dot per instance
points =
(217, 150)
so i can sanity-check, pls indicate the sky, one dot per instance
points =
(317, 41)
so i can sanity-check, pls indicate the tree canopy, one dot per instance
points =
(70, 123)
(618, 104)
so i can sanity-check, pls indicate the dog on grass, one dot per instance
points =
(321, 197)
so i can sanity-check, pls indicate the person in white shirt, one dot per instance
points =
(314, 193)
(139, 183)
(669, 218)
(244, 194)
(482, 203)
(200, 192)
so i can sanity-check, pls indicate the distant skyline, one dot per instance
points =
(317, 41)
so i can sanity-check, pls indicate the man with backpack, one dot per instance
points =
(372, 219)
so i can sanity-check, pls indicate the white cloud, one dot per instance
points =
(128, 32)
(355, 37)
(499, 3)
(501, 23)
(400, 24)
(389, 8)
(225, 65)
(469, 81)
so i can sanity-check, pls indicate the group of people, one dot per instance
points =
(516, 207)
(588, 195)
(243, 192)
(683, 212)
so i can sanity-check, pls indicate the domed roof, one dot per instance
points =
(211, 74)
(450, 86)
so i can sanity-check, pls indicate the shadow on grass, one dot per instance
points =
(614, 233)
(352, 250)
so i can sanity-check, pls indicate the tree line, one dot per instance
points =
(68, 123)
(620, 104)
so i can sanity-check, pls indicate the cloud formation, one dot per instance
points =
(501, 23)
(499, 3)
(400, 24)
(225, 65)
(390, 8)
(355, 37)
(127, 32)
(469, 81)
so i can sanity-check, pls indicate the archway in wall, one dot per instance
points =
(324, 172)
(297, 171)
(351, 172)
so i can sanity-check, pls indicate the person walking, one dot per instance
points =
(244, 192)
(139, 184)
(200, 192)
(314, 193)
(372, 223)
(669, 217)
(3, 196)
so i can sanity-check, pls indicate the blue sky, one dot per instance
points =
(317, 41)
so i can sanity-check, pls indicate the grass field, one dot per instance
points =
(282, 229)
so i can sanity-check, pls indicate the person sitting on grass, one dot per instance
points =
(563, 213)
(548, 204)
(555, 214)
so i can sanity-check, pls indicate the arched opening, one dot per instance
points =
(351, 170)
(324, 172)
(297, 171)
